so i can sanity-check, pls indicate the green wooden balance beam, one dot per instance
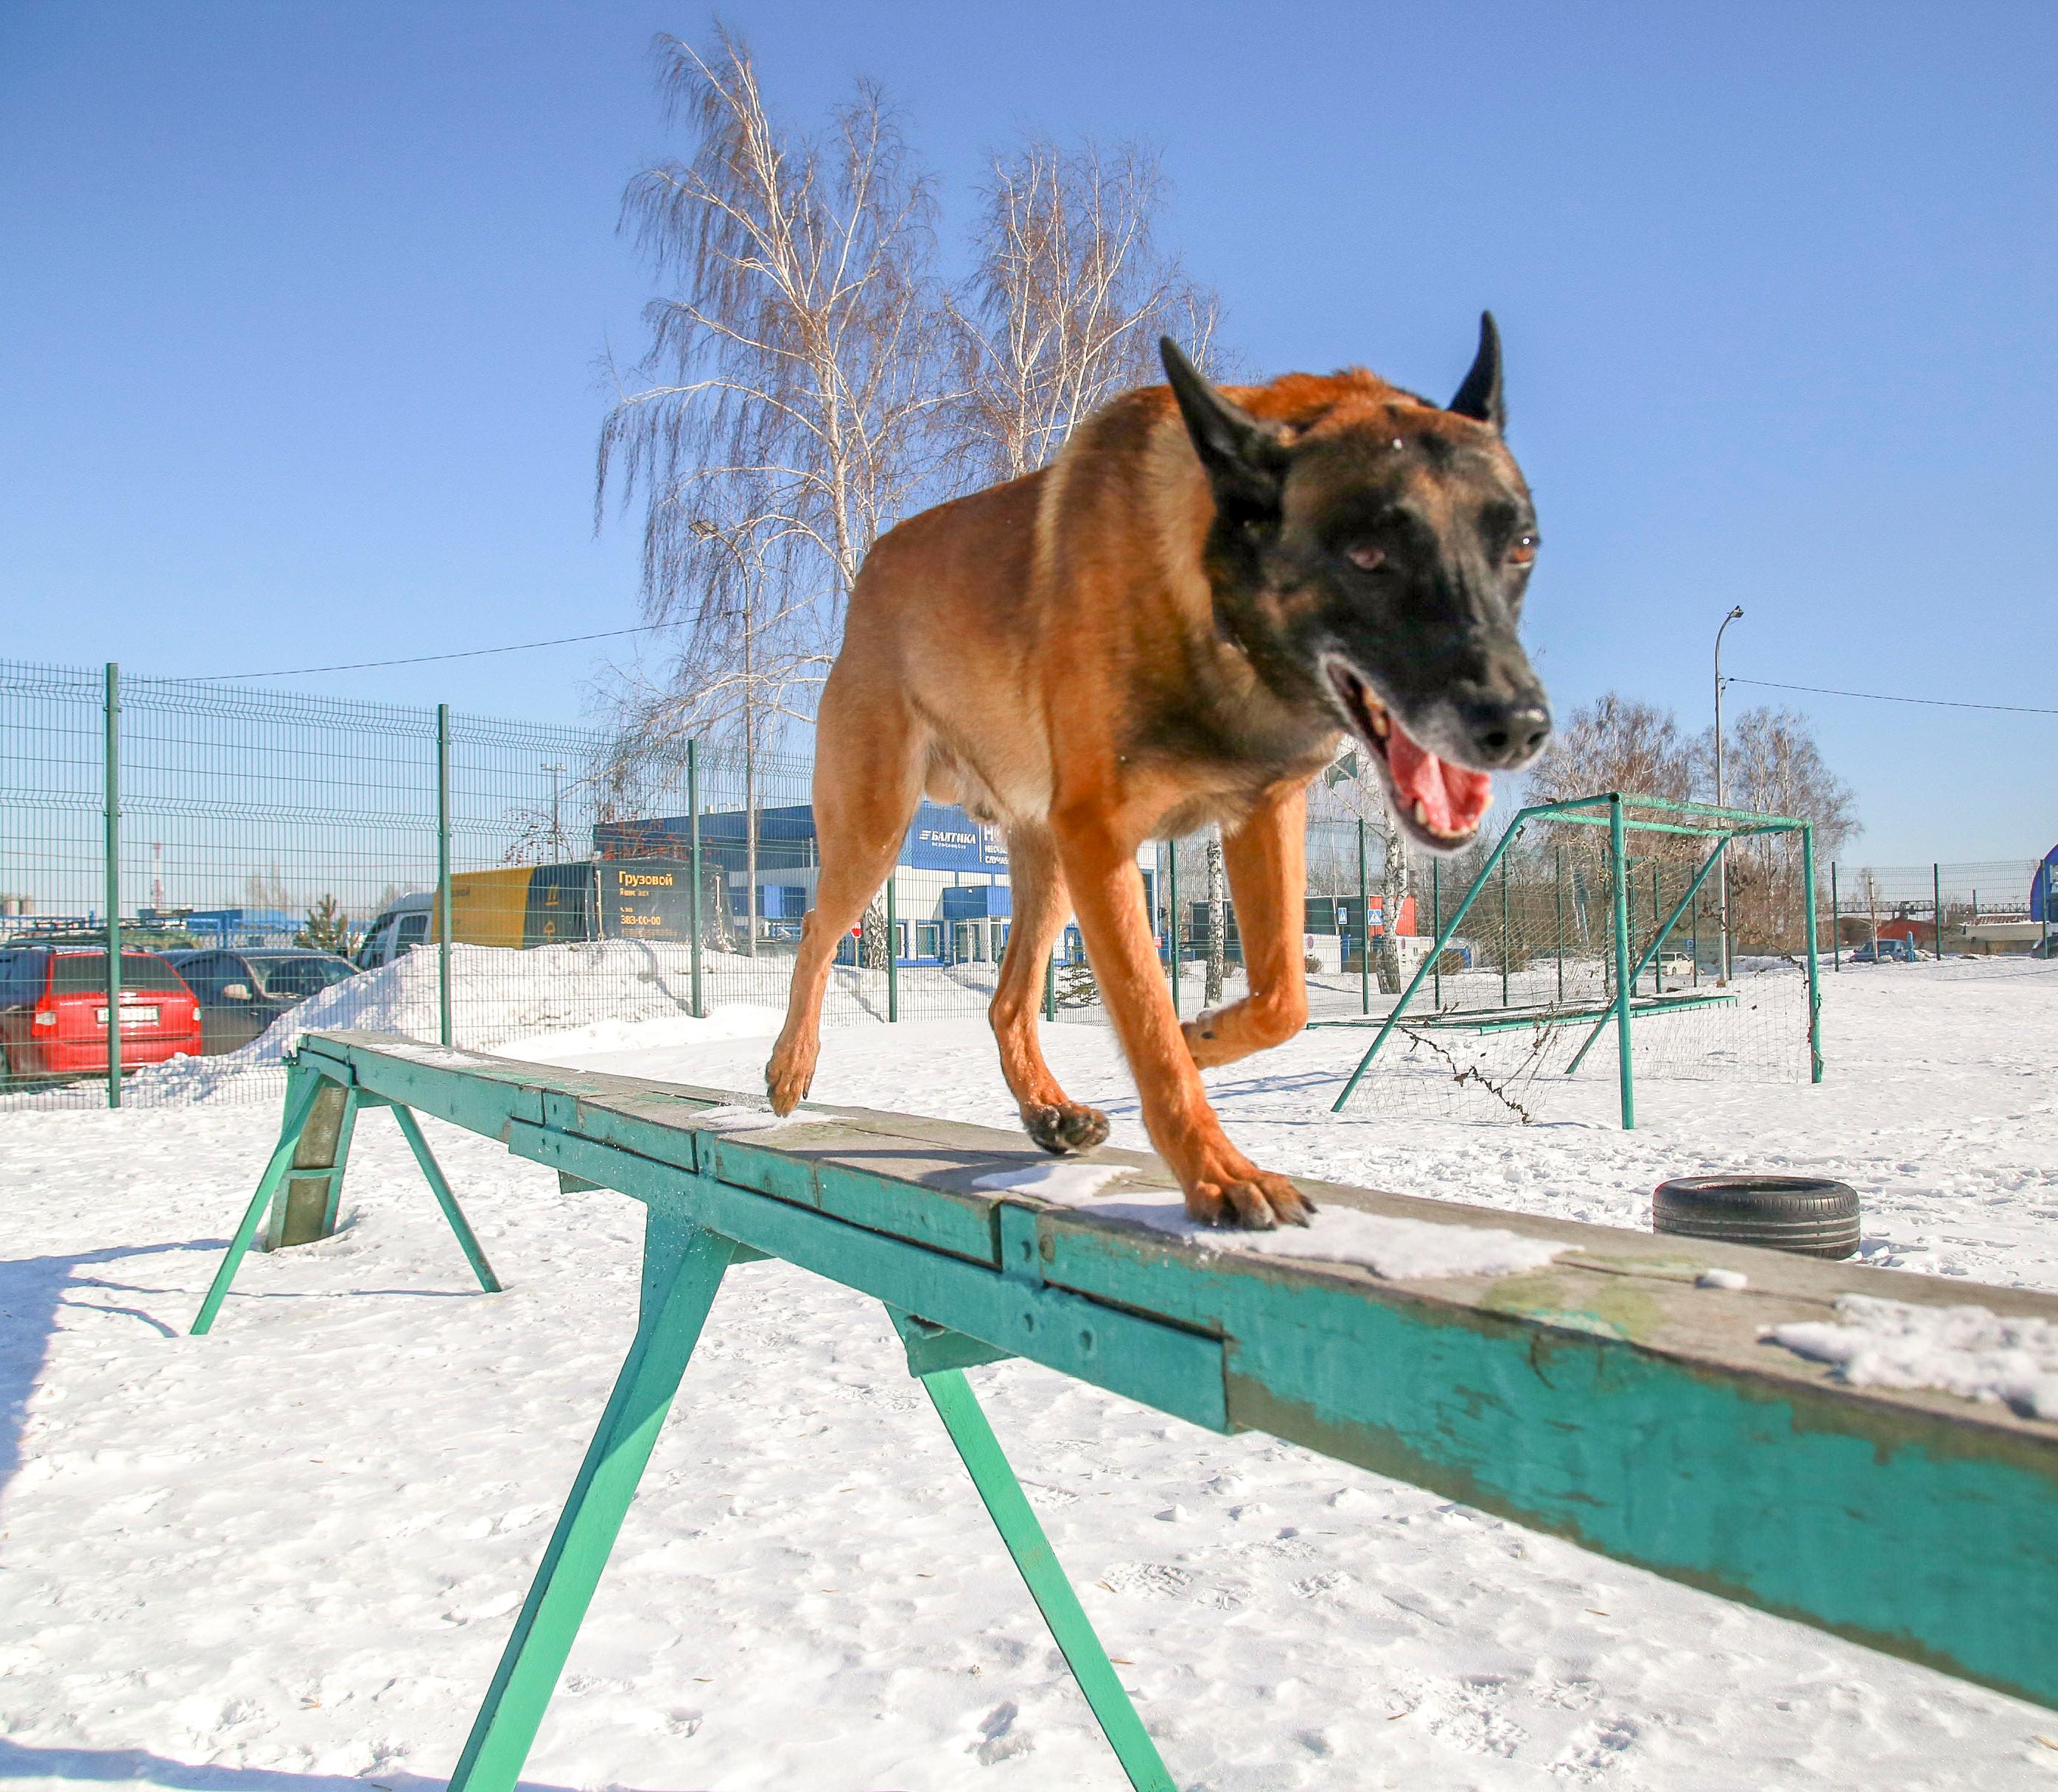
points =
(1604, 1396)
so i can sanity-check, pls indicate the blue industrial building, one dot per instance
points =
(951, 900)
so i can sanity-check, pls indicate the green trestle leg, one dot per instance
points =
(300, 1092)
(301, 1088)
(411, 1130)
(1009, 1508)
(682, 1269)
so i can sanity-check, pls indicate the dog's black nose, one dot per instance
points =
(1506, 734)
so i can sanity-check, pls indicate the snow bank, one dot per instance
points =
(1966, 1350)
(603, 995)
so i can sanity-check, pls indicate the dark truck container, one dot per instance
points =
(522, 906)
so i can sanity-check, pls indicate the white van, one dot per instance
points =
(397, 932)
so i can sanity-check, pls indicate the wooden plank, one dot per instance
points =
(1607, 1398)
(304, 1210)
(1178, 1370)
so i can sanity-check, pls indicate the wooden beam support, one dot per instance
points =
(1607, 1398)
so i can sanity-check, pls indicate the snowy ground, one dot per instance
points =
(284, 1557)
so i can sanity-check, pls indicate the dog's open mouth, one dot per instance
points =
(1446, 802)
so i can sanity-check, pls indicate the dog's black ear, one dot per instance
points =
(1244, 459)
(1480, 397)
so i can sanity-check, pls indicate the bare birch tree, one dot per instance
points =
(1070, 291)
(1614, 743)
(1773, 765)
(781, 417)
(743, 664)
(1217, 888)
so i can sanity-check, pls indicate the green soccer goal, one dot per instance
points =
(1688, 930)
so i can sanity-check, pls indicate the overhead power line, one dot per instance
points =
(616, 634)
(1881, 696)
(425, 659)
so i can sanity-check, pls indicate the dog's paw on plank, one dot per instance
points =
(1065, 1126)
(1256, 1203)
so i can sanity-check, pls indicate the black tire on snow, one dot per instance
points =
(1808, 1215)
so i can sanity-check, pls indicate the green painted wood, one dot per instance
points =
(690, 1263)
(1176, 1370)
(655, 1121)
(1592, 1401)
(1013, 1518)
(931, 1347)
(474, 1254)
(1606, 1399)
(352, 1106)
(1852, 1526)
(302, 1087)
(1514, 1020)
(303, 1209)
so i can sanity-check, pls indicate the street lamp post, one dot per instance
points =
(1722, 887)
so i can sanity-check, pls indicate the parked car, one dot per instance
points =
(1675, 968)
(397, 932)
(1886, 951)
(54, 1012)
(242, 992)
(2044, 948)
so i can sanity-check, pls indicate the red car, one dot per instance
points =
(54, 1012)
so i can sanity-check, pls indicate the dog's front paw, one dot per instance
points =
(787, 1078)
(1257, 1202)
(1065, 1126)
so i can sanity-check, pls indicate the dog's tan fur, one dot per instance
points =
(1047, 652)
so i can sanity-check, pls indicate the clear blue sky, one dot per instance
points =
(301, 306)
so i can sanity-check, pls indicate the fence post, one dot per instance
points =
(443, 875)
(1619, 859)
(1836, 922)
(2045, 868)
(1814, 962)
(892, 947)
(1557, 890)
(111, 824)
(1436, 930)
(1050, 984)
(1657, 919)
(1365, 926)
(693, 851)
(1503, 933)
(1937, 904)
(1172, 921)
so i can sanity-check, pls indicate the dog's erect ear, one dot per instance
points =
(1478, 398)
(1244, 459)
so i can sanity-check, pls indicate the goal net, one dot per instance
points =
(1583, 954)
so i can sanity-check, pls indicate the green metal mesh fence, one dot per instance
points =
(1992, 924)
(290, 857)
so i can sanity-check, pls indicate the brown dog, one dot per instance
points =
(1171, 625)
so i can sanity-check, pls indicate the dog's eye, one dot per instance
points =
(1364, 556)
(1524, 553)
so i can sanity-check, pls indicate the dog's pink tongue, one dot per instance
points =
(1453, 800)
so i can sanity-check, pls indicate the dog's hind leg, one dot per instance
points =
(1040, 902)
(868, 754)
(1266, 858)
